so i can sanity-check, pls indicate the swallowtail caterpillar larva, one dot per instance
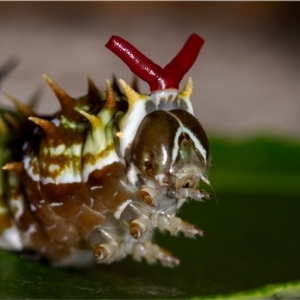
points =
(97, 178)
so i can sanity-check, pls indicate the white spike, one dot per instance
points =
(205, 179)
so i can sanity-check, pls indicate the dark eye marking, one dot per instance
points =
(186, 185)
(149, 166)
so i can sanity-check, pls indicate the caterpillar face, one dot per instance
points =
(176, 158)
(182, 149)
(97, 178)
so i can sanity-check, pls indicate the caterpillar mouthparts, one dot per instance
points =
(94, 180)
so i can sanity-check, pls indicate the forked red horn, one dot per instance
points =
(157, 77)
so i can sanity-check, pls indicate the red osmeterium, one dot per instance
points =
(157, 77)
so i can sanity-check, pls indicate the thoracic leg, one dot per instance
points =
(107, 253)
(173, 224)
(153, 253)
(176, 225)
(109, 247)
(140, 226)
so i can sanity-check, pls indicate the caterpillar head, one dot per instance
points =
(171, 146)
(160, 138)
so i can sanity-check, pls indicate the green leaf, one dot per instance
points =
(251, 250)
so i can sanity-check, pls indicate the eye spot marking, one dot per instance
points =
(186, 185)
(149, 166)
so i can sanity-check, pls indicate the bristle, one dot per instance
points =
(48, 126)
(22, 108)
(93, 119)
(93, 91)
(15, 166)
(188, 89)
(116, 86)
(11, 120)
(132, 95)
(110, 97)
(35, 97)
(134, 84)
(3, 126)
(8, 66)
(205, 179)
(66, 102)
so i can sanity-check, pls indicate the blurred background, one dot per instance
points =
(246, 95)
(247, 76)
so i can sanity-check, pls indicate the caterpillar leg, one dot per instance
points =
(153, 253)
(176, 225)
(109, 247)
(107, 253)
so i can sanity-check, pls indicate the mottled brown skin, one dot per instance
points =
(66, 215)
(40, 239)
(111, 178)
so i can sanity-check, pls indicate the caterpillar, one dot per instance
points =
(95, 180)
